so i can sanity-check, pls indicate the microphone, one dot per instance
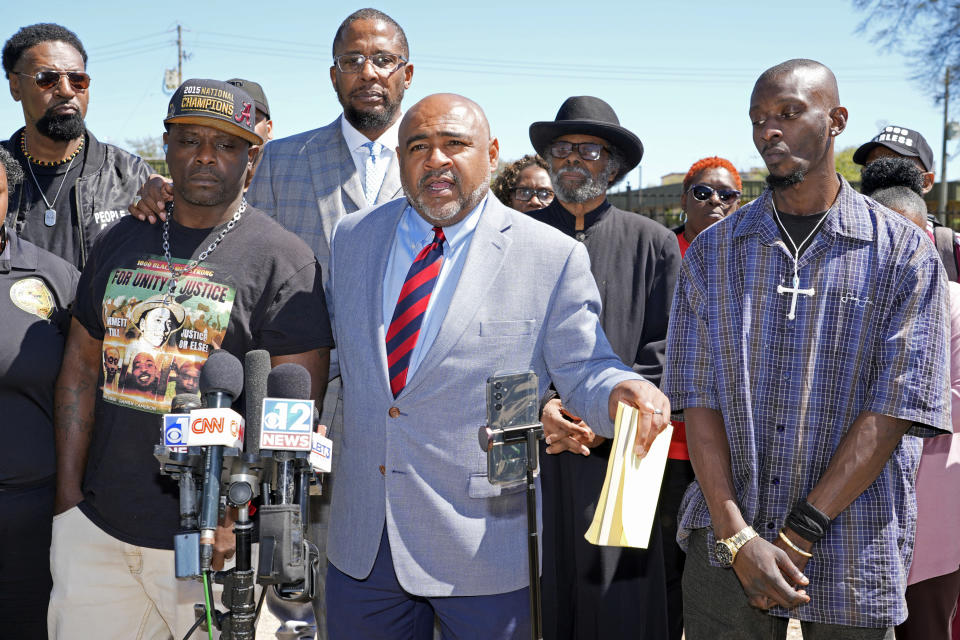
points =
(321, 450)
(185, 402)
(221, 380)
(287, 431)
(287, 418)
(256, 368)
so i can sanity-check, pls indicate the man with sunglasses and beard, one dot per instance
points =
(590, 591)
(808, 335)
(76, 185)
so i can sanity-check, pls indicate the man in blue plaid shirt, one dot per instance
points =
(808, 335)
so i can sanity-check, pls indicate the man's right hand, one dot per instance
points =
(66, 500)
(154, 195)
(563, 434)
(764, 571)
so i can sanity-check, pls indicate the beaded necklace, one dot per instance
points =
(44, 163)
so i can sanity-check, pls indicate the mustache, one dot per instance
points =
(580, 171)
(777, 146)
(438, 173)
(374, 88)
(62, 116)
(203, 172)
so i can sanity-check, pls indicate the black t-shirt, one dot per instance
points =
(61, 237)
(799, 229)
(36, 289)
(260, 289)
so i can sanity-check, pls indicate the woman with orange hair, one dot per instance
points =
(711, 191)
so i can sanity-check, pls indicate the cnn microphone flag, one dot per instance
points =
(218, 426)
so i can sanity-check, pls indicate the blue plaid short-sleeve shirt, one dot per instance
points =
(873, 337)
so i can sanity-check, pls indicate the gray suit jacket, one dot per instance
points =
(526, 300)
(307, 182)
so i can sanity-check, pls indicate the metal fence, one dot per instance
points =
(662, 203)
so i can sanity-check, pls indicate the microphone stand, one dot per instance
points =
(533, 433)
(239, 623)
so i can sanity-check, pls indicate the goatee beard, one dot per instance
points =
(61, 128)
(373, 119)
(589, 189)
(782, 182)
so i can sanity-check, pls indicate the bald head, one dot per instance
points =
(796, 114)
(810, 74)
(446, 156)
(450, 106)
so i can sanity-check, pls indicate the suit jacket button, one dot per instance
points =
(394, 412)
(383, 470)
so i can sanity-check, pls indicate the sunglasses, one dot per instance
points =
(48, 79)
(525, 193)
(702, 192)
(587, 150)
(382, 62)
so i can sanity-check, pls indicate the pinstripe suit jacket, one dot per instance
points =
(307, 182)
(525, 300)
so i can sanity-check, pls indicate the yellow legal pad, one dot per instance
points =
(628, 502)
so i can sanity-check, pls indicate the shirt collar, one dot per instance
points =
(849, 216)
(355, 140)
(414, 226)
(18, 255)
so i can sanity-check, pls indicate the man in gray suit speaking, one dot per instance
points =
(430, 295)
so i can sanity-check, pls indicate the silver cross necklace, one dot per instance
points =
(50, 215)
(177, 273)
(795, 289)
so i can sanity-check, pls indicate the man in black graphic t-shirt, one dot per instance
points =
(232, 279)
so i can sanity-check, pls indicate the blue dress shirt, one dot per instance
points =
(413, 234)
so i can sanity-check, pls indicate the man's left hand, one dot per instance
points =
(654, 408)
(796, 558)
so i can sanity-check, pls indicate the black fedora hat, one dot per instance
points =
(590, 116)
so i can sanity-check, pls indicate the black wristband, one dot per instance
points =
(808, 522)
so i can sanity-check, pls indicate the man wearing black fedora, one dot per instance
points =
(591, 591)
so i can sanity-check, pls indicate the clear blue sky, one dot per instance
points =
(679, 74)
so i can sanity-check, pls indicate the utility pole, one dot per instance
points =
(180, 64)
(943, 157)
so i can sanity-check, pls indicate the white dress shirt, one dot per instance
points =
(355, 141)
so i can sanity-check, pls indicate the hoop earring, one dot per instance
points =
(683, 217)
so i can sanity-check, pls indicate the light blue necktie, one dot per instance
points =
(372, 171)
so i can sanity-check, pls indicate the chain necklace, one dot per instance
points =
(795, 289)
(50, 215)
(44, 163)
(175, 272)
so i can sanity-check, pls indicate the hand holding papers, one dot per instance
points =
(628, 501)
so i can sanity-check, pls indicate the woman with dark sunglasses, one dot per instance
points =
(711, 191)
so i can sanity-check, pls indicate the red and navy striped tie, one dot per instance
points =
(408, 315)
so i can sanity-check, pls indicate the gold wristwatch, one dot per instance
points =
(726, 549)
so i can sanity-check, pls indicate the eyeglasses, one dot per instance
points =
(702, 192)
(48, 79)
(385, 63)
(587, 150)
(526, 193)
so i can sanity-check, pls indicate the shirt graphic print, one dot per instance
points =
(155, 345)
